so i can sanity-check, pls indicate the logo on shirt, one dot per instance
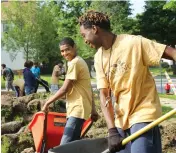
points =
(119, 68)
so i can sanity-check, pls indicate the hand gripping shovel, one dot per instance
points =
(100, 145)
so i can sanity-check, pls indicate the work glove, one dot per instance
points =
(114, 141)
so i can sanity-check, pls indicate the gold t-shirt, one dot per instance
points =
(130, 79)
(54, 78)
(79, 97)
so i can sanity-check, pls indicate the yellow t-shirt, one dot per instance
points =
(79, 97)
(19, 83)
(130, 80)
(54, 78)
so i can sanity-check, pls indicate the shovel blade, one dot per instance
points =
(98, 145)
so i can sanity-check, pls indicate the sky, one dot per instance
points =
(137, 6)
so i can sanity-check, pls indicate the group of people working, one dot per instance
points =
(122, 70)
(31, 79)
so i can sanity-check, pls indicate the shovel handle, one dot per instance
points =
(146, 128)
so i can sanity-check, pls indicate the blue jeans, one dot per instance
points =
(149, 142)
(72, 130)
(29, 90)
(54, 88)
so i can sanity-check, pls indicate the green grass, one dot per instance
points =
(44, 77)
(166, 109)
(3, 82)
(157, 71)
(168, 96)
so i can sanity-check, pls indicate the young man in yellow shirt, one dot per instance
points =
(121, 64)
(77, 87)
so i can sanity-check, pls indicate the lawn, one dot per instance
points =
(166, 109)
(157, 71)
(44, 77)
(167, 96)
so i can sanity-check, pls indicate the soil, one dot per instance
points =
(168, 136)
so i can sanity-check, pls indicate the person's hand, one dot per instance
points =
(45, 108)
(114, 141)
(94, 115)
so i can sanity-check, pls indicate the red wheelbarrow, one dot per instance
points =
(47, 129)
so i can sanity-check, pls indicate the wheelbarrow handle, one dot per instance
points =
(146, 128)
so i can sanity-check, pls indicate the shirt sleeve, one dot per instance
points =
(100, 76)
(151, 52)
(72, 72)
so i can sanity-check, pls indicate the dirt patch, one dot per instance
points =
(168, 102)
(168, 136)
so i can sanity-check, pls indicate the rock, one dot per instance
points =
(10, 127)
(28, 150)
(34, 106)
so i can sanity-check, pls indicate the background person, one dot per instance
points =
(122, 66)
(77, 87)
(57, 72)
(36, 71)
(29, 78)
(8, 76)
(19, 87)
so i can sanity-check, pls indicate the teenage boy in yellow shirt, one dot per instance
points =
(121, 64)
(77, 87)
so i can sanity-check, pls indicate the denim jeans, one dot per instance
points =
(29, 90)
(72, 130)
(149, 142)
(54, 88)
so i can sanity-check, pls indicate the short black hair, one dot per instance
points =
(95, 18)
(28, 64)
(68, 41)
(3, 65)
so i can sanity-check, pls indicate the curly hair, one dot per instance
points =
(95, 18)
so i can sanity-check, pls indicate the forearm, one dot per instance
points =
(107, 111)
(170, 53)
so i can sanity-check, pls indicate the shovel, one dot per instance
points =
(100, 145)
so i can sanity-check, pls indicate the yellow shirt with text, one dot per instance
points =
(79, 97)
(130, 79)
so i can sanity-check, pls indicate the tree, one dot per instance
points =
(20, 18)
(157, 23)
(171, 5)
(118, 11)
(33, 30)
